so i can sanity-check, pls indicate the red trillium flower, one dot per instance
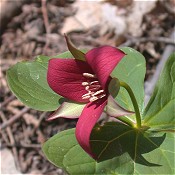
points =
(86, 82)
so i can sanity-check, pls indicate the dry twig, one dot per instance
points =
(14, 118)
(24, 145)
(7, 101)
(45, 16)
(132, 41)
(12, 140)
(46, 22)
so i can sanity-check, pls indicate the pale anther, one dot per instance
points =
(93, 87)
(88, 75)
(85, 83)
(93, 99)
(88, 94)
(86, 97)
(87, 88)
(98, 92)
(101, 96)
(94, 82)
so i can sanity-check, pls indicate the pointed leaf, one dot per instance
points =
(68, 110)
(78, 54)
(160, 111)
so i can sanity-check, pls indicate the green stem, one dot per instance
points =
(126, 121)
(134, 102)
(123, 119)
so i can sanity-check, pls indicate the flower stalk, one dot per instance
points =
(134, 102)
(126, 121)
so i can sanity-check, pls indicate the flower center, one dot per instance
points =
(93, 88)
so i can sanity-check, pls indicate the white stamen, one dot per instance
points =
(86, 97)
(93, 87)
(98, 92)
(85, 83)
(93, 99)
(87, 88)
(88, 94)
(94, 82)
(101, 96)
(89, 75)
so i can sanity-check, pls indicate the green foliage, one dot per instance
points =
(28, 81)
(128, 145)
(160, 111)
(131, 70)
(78, 54)
(64, 151)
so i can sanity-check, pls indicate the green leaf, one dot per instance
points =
(64, 151)
(27, 80)
(160, 111)
(124, 150)
(68, 109)
(164, 156)
(131, 70)
(79, 55)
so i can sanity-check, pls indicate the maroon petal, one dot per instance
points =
(65, 77)
(91, 113)
(103, 60)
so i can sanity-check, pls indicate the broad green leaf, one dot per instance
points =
(64, 151)
(160, 111)
(131, 70)
(164, 156)
(68, 109)
(114, 139)
(27, 80)
(122, 150)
